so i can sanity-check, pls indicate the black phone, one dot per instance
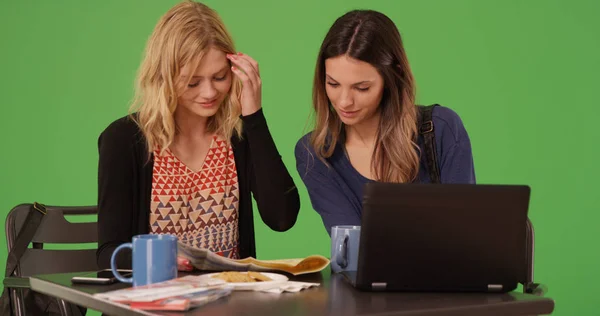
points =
(100, 277)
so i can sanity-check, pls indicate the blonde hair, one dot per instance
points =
(181, 37)
(371, 37)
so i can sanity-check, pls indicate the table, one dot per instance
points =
(334, 297)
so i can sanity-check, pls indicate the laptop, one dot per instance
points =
(442, 238)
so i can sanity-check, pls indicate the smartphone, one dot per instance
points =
(100, 277)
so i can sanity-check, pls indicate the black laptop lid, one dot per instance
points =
(443, 237)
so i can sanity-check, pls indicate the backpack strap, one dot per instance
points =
(30, 226)
(426, 129)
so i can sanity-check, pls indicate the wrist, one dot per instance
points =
(248, 112)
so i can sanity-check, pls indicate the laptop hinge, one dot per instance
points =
(494, 287)
(380, 286)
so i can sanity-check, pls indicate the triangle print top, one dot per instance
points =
(200, 208)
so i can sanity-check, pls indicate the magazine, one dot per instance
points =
(183, 302)
(179, 294)
(203, 259)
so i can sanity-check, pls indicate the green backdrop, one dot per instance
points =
(521, 74)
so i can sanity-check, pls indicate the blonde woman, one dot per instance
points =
(368, 127)
(195, 148)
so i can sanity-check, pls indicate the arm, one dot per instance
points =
(272, 186)
(115, 206)
(329, 195)
(457, 164)
(456, 157)
(270, 182)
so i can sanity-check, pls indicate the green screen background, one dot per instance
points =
(521, 74)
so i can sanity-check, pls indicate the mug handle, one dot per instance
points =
(113, 263)
(341, 257)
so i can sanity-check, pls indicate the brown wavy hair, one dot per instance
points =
(371, 37)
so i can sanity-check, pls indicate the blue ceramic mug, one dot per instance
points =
(344, 248)
(154, 259)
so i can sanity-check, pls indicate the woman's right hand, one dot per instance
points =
(184, 264)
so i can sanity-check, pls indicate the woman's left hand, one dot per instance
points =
(246, 68)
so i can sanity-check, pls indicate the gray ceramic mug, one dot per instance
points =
(344, 248)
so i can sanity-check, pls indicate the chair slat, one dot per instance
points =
(54, 228)
(42, 261)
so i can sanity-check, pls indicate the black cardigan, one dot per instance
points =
(125, 184)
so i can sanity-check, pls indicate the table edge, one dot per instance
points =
(86, 300)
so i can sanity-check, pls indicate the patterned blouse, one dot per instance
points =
(200, 208)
